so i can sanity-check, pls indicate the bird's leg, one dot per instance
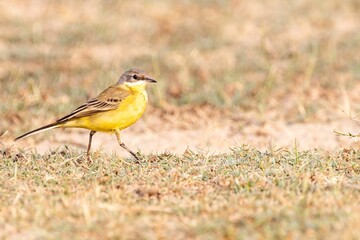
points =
(89, 145)
(117, 133)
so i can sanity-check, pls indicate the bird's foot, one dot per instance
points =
(89, 158)
(137, 157)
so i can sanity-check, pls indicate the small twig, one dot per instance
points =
(346, 134)
(3, 133)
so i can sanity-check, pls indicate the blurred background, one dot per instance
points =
(252, 71)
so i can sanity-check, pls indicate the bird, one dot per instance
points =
(114, 109)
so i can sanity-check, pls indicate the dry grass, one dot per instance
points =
(289, 61)
(244, 194)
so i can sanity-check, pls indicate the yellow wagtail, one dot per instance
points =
(114, 109)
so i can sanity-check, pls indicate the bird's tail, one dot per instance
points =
(38, 130)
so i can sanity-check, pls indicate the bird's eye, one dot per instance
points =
(136, 77)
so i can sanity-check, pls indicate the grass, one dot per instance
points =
(243, 194)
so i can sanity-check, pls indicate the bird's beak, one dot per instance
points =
(150, 80)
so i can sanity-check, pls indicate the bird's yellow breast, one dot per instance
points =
(127, 113)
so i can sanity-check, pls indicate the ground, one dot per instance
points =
(247, 193)
(239, 137)
(199, 130)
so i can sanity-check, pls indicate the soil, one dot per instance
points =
(203, 130)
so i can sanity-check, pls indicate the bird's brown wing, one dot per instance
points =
(107, 100)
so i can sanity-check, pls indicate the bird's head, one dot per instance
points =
(135, 77)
